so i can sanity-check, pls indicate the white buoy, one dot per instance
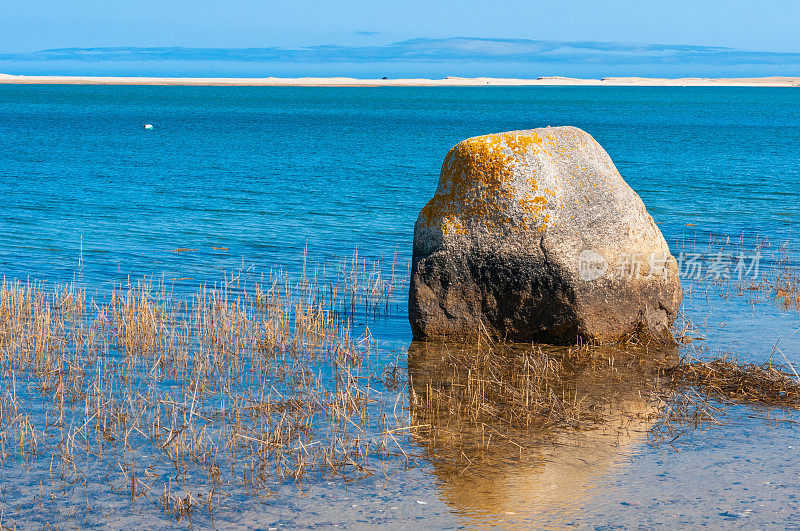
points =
(148, 126)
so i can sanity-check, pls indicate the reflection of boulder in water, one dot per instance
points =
(526, 434)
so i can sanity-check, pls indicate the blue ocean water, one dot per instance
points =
(257, 179)
(266, 174)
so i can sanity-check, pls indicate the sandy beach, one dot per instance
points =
(420, 82)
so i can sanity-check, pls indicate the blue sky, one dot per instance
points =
(511, 38)
(30, 25)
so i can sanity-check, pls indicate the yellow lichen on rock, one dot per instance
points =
(452, 224)
(477, 184)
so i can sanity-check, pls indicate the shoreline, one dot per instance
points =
(8, 79)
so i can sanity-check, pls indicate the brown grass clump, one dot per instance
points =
(787, 291)
(767, 384)
(700, 394)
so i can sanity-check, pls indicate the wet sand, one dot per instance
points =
(421, 82)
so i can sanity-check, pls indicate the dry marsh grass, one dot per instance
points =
(759, 268)
(189, 403)
(490, 401)
(183, 403)
(495, 400)
(766, 384)
(787, 291)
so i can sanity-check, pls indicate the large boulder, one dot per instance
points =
(534, 236)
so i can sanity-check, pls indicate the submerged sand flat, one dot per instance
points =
(420, 82)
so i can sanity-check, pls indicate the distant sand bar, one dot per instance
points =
(446, 82)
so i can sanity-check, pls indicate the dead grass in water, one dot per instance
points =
(781, 282)
(183, 403)
(731, 268)
(497, 400)
(491, 401)
(726, 379)
(787, 291)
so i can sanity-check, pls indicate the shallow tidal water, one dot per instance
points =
(255, 179)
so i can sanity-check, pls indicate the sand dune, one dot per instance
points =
(421, 82)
